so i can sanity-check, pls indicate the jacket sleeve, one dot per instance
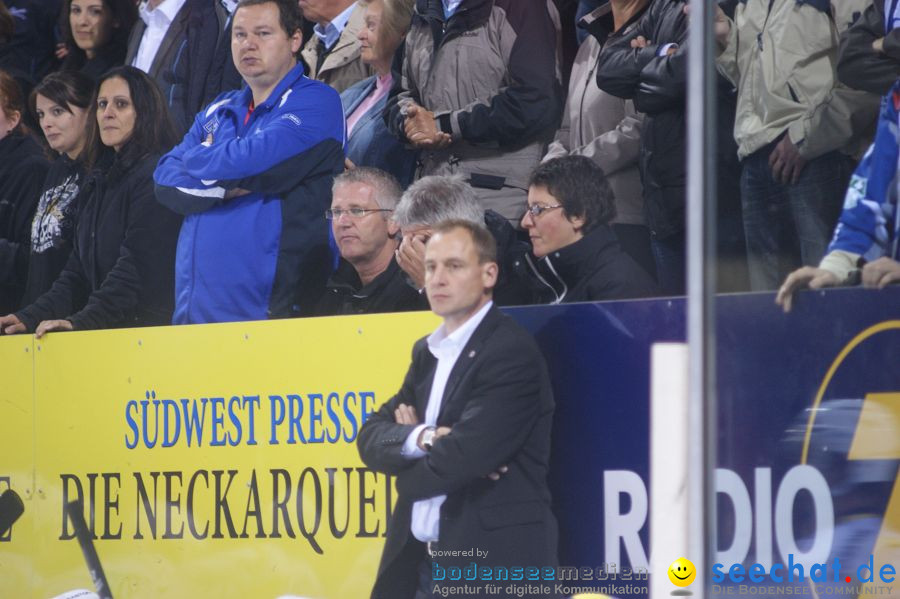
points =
(560, 144)
(865, 227)
(835, 121)
(832, 124)
(403, 91)
(68, 290)
(502, 408)
(663, 82)
(859, 65)
(727, 54)
(115, 301)
(381, 439)
(532, 101)
(14, 251)
(618, 148)
(175, 188)
(308, 121)
(619, 65)
(289, 174)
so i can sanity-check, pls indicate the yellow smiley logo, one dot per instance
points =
(682, 572)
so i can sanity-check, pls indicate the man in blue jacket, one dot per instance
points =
(253, 177)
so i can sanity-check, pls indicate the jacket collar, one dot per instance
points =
(347, 38)
(19, 145)
(599, 22)
(469, 355)
(469, 15)
(365, 87)
(822, 5)
(567, 266)
(245, 96)
(346, 280)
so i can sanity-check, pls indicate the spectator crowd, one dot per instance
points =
(194, 161)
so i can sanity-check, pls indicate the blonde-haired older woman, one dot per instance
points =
(368, 141)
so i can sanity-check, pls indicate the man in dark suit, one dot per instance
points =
(175, 42)
(467, 436)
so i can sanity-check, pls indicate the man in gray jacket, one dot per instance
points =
(479, 93)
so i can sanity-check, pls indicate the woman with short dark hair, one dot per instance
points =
(570, 206)
(121, 270)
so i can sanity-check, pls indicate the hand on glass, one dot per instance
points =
(802, 278)
(880, 273)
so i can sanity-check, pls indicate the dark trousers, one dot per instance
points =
(789, 225)
(669, 254)
(635, 241)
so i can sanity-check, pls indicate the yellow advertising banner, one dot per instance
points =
(17, 461)
(212, 461)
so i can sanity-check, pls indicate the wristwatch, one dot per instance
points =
(428, 438)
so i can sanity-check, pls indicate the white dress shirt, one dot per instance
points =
(331, 33)
(446, 348)
(157, 23)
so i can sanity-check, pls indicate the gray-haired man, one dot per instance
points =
(367, 279)
(438, 198)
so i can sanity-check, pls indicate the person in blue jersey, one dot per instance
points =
(253, 177)
(865, 247)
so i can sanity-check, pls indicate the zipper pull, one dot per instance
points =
(759, 42)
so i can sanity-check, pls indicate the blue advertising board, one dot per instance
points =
(809, 425)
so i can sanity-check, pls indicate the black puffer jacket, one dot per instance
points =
(388, 292)
(657, 84)
(593, 268)
(23, 168)
(121, 270)
(514, 287)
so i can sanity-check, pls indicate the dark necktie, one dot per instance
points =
(320, 58)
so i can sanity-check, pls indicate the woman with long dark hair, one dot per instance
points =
(95, 33)
(121, 270)
(61, 104)
(23, 167)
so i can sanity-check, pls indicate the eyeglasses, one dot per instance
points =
(535, 210)
(352, 212)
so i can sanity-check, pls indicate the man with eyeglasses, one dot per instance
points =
(367, 279)
(570, 205)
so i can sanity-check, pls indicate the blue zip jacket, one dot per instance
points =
(870, 224)
(264, 254)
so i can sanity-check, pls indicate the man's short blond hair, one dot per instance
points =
(485, 244)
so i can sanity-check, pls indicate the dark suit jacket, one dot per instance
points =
(184, 58)
(499, 403)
